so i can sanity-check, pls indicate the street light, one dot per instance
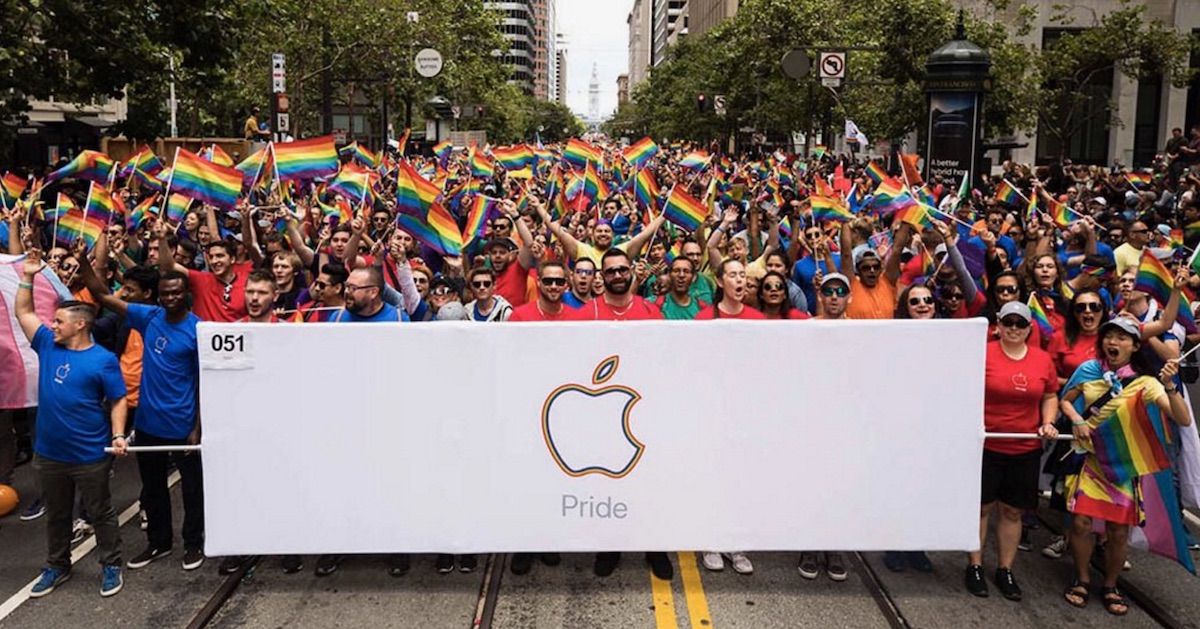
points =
(171, 104)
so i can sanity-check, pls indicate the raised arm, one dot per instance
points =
(524, 254)
(570, 244)
(297, 240)
(99, 290)
(727, 221)
(846, 248)
(891, 269)
(166, 257)
(965, 281)
(1170, 314)
(26, 316)
(635, 244)
(250, 235)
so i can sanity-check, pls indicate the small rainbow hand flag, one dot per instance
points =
(818, 151)
(90, 165)
(1007, 194)
(578, 153)
(12, 188)
(1039, 315)
(483, 210)
(514, 158)
(1140, 180)
(696, 160)
(177, 207)
(685, 210)
(827, 209)
(205, 181)
(875, 172)
(1153, 278)
(414, 193)
(481, 165)
(641, 152)
(306, 159)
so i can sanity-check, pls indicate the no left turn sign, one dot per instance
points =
(832, 65)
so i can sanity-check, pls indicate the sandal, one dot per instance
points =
(1113, 599)
(1078, 590)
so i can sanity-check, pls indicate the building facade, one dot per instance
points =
(560, 70)
(52, 130)
(622, 89)
(667, 17)
(641, 37)
(529, 27)
(705, 15)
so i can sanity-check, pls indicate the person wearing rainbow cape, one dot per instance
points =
(1116, 407)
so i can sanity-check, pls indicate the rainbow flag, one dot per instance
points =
(685, 210)
(483, 210)
(12, 188)
(145, 164)
(1039, 315)
(1060, 213)
(645, 188)
(305, 159)
(875, 172)
(402, 143)
(360, 154)
(675, 251)
(696, 160)
(908, 166)
(891, 196)
(414, 194)
(205, 181)
(340, 211)
(1153, 278)
(914, 214)
(640, 152)
(1140, 180)
(177, 207)
(217, 155)
(90, 165)
(481, 166)
(592, 183)
(1007, 194)
(579, 153)
(102, 205)
(818, 151)
(1187, 316)
(252, 167)
(353, 183)
(1175, 239)
(140, 211)
(827, 209)
(68, 221)
(1031, 208)
(1163, 532)
(443, 150)
(1098, 272)
(1128, 444)
(513, 158)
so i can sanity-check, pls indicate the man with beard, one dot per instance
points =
(618, 303)
(552, 283)
(363, 301)
(512, 271)
(678, 303)
(326, 294)
(219, 293)
(872, 281)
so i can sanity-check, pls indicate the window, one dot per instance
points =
(1192, 117)
(1146, 132)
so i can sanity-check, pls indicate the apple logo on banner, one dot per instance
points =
(587, 429)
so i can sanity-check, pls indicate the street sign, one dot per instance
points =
(428, 63)
(719, 104)
(832, 65)
(796, 64)
(456, 111)
(278, 75)
(284, 121)
(831, 82)
(278, 85)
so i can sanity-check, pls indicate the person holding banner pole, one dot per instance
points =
(168, 410)
(77, 378)
(1019, 397)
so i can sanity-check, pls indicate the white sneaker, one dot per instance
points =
(713, 561)
(741, 563)
(1055, 549)
(79, 530)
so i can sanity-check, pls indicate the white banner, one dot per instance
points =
(459, 437)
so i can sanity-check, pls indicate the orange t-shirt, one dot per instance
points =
(131, 367)
(872, 303)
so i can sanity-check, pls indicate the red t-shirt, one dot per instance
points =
(1012, 398)
(599, 310)
(246, 319)
(966, 311)
(208, 294)
(1068, 358)
(531, 312)
(710, 312)
(513, 283)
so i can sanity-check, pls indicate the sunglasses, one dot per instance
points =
(482, 284)
(1007, 290)
(554, 281)
(616, 270)
(441, 291)
(1014, 322)
(830, 291)
(585, 272)
(319, 285)
(1091, 306)
(871, 268)
(927, 300)
(772, 286)
(953, 296)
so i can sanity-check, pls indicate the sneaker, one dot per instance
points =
(192, 558)
(1056, 548)
(919, 561)
(551, 559)
(809, 566)
(712, 561)
(35, 510)
(143, 521)
(894, 560)
(660, 565)
(327, 565)
(835, 566)
(51, 578)
(1025, 544)
(467, 563)
(1007, 584)
(111, 581)
(80, 530)
(444, 564)
(974, 581)
(398, 564)
(606, 563)
(150, 554)
(292, 564)
(1192, 544)
(741, 563)
(521, 563)
(230, 565)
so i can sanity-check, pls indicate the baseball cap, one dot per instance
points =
(861, 252)
(1015, 308)
(442, 280)
(1101, 201)
(835, 277)
(507, 243)
(1125, 324)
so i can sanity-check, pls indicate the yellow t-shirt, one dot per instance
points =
(584, 250)
(1127, 258)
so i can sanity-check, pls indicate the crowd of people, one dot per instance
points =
(1052, 257)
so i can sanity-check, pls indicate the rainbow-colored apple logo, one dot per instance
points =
(587, 429)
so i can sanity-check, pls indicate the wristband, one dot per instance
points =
(1078, 423)
(25, 285)
(115, 437)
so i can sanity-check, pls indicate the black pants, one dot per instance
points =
(59, 483)
(157, 497)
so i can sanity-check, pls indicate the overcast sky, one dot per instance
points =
(596, 34)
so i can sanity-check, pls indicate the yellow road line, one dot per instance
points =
(693, 591)
(664, 603)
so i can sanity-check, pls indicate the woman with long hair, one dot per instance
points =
(1044, 276)
(916, 302)
(1120, 377)
(773, 298)
(731, 292)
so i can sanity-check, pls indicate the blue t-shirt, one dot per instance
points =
(387, 314)
(571, 301)
(170, 372)
(802, 275)
(73, 426)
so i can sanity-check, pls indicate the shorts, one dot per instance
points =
(1011, 478)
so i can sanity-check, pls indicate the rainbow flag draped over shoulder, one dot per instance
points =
(1129, 444)
(90, 165)
(205, 181)
(684, 210)
(640, 152)
(1153, 278)
(306, 159)
(1039, 315)
(483, 209)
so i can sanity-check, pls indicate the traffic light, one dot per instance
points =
(479, 111)
(701, 103)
